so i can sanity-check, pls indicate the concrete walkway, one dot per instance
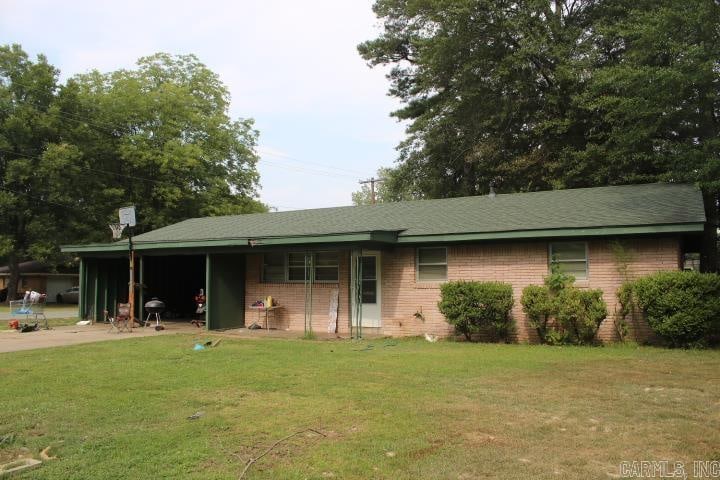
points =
(63, 311)
(13, 341)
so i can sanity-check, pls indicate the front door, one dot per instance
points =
(370, 289)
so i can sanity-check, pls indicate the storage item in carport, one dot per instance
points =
(154, 308)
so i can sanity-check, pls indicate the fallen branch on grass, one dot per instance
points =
(45, 452)
(253, 460)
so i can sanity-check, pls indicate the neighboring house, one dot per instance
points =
(42, 278)
(396, 256)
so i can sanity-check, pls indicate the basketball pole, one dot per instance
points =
(131, 291)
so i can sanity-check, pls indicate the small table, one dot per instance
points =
(268, 311)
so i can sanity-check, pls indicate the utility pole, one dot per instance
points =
(372, 181)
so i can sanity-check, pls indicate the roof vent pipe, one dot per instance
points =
(492, 191)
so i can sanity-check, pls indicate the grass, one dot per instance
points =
(51, 309)
(389, 409)
(52, 322)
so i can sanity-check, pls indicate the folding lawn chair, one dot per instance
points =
(121, 320)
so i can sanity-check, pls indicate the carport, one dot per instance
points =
(172, 276)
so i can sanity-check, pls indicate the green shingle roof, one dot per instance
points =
(651, 204)
(577, 212)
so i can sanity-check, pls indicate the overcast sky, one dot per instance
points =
(293, 66)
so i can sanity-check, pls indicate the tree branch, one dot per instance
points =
(253, 460)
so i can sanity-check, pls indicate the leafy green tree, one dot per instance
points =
(163, 133)
(158, 136)
(544, 94)
(33, 174)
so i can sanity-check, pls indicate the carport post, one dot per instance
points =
(81, 291)
(208, 300)
(131, 289)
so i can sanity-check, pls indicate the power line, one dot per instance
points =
(310, 171)
(282, 156)
(109, 128)
(95, 170)
(56, 204)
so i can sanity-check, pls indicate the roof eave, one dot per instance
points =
(556, 233)
(378, 236)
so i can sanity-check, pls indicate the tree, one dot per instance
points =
(554, 94)
(158, 137)
(32, 174)
(164, 134)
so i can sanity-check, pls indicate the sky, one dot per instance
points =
(322, 113)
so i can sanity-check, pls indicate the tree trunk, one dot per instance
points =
(709, 253)
(14, 267)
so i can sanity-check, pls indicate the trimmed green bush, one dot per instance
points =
(682, 308)
(474, 307)
(562, 313)
(539, 308)
(580, 313)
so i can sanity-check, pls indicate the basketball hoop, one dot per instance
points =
(117, 229)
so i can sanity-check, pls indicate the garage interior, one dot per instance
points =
(174, 279)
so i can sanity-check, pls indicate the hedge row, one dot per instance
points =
(682, 308)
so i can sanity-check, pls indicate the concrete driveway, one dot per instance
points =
(13, 341)
(51, 311)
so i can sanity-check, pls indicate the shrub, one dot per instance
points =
(472, 307)
(539, 307)
(683, 308)
(562, 313)
(580, 313)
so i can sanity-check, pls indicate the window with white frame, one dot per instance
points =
(290, 267)
(570, 258)
(431, 264)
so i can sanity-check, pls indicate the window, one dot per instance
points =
(290, 267)
(369, 279)
(432, 264)
(273, 267)
(571, 258)
(296, 267)
(326, 267)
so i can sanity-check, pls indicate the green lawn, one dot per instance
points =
(52, 322)
(396, 410)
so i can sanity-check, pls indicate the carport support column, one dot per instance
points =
(81, 292)
(208, 298)
(141, 282)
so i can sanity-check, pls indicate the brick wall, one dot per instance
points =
(519, 263)
(291, 296)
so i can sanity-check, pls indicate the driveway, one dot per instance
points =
(51, 311)
(13, 341)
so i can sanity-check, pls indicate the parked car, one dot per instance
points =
(68, 296)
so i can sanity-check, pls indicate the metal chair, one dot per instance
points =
(121, 320)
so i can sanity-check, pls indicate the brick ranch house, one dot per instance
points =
(385, 263)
